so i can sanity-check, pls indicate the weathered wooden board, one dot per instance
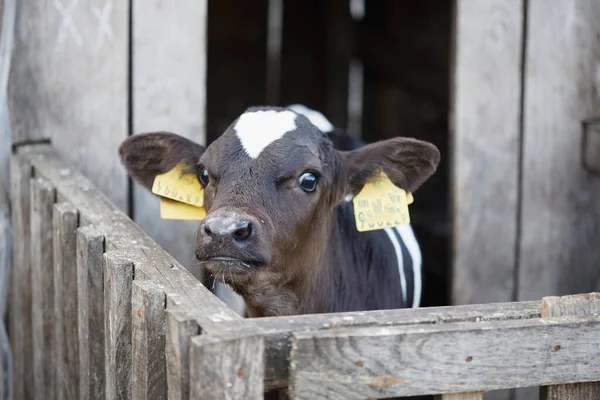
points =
(180, 330)
(66, 342)
(90, 298)
(169, 93)
(150, 261)
(278, 331)
(69, 82)
(20, 302)
(485, 123)
(226, 366)
(571, 306)
(118, 278)
(561, 201)
(148, 341)
(42, 289)
(444, 358)
(461, 396)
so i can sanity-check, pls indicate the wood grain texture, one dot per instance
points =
(66, 342)
(169, 93)
(20, 313)
(150, 260)
(461, 396)
(90, 297)
(227, 367)
(485, 121)
(69, 82)
(118, 278)
(561, 201)
(446, 358)
(278, 331)
(180, 330)
(42, 289)
(571, 306)
(148, 341)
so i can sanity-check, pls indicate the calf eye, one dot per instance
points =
(203, 175)
(308, 182)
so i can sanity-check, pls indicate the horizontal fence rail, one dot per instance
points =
(101, 311)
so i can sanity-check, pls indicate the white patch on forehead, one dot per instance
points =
(315, 117)
(258, 129)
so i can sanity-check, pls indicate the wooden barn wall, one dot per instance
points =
(526, 212)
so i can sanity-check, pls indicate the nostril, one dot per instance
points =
(243, 230)
(206, 229)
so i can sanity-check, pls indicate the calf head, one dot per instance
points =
(271, 184)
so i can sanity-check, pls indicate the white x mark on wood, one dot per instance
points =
(67, 28)
(105, 30)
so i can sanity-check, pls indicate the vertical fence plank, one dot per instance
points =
(561, 201)
(148, 314)
(487, 91)
(571, 306)
(20, 313)
(66, 343)
(180, 330)
(169, 92)
(229, 367)
(90, 295)
(118, 275)
(42, 288)
(69, 82)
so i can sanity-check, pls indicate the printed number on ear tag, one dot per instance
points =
(171, 209)
(179, 186)
(380, 204)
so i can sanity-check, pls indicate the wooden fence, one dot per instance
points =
(98, 310)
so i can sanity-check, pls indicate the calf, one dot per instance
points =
(280, 225)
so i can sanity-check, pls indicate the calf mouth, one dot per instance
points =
(227, 269)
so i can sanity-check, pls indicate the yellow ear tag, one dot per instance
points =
(380, 204)
(179, 186)
(171, 209)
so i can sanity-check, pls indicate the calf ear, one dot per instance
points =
(149, 154)
(407, 162)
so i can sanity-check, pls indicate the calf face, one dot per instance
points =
(271, 184)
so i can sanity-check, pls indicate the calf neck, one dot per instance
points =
(279, 227)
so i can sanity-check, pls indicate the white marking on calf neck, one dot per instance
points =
(258, 129)
(398, 251)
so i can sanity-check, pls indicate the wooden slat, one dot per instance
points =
(169, 93)
(20, 313)
(66, 342)
(241, 46)
(571, 306)
(90, 297)
(461, 396)
(559, 249)
(180, 329)
(487, 92)
(225, 366)
(278, 331)
(42, 289)
(118, 278)
(445, 358)
(69, 82)
(122, 234)
(148, 341)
